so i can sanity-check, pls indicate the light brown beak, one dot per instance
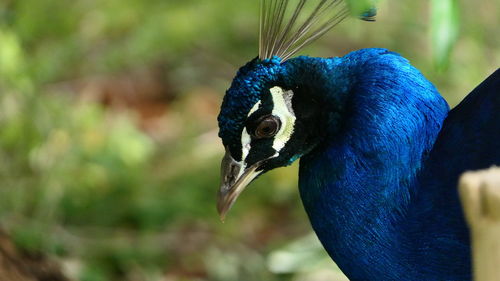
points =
(234, 179)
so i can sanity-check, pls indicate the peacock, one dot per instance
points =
(380, 151)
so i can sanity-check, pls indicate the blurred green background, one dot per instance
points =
(109, 155)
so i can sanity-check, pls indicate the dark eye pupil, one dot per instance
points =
(267, 127)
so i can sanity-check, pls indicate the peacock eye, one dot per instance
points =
(267, 127)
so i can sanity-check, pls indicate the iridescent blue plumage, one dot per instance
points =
(381, 163)
(366, 191)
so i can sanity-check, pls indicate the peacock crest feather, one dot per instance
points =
(287, 26)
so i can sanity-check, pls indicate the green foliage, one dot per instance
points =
(444, 30)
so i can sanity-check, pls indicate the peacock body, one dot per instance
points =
(380, 154)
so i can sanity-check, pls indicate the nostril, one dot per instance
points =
(230, 169)
(234, 169)
(233, 173)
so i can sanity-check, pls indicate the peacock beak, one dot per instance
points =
(234, 179)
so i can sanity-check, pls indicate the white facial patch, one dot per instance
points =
(246, 140)
(283, 109)
(245, 136)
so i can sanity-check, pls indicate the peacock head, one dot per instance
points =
(268, 118)
(264, 123)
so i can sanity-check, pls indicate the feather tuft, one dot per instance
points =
(284, 31)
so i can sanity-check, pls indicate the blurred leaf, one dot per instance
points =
(444, 30)
(10, 53)
(303, 254)
(306, 259)
(12, 62)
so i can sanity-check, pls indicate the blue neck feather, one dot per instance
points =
(362, 185)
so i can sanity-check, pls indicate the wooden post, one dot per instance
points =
(480, 195)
